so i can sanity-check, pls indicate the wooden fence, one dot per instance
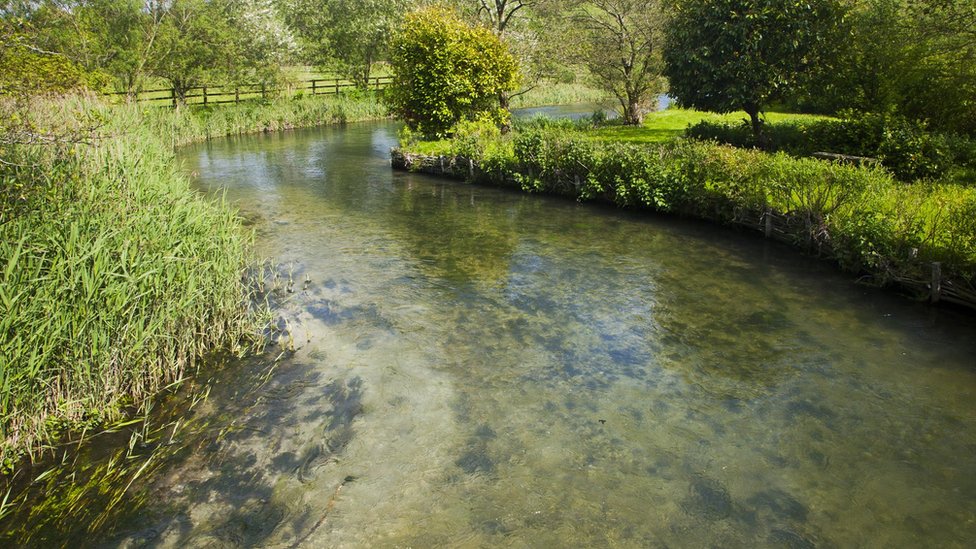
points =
(216, 95)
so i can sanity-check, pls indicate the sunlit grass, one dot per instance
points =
(662, 126)
(116, 277)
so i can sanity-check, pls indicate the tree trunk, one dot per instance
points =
(179, 92)
(757, 125)
(504, 103)
(633, 114)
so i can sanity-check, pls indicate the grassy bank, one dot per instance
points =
(862, 218)
(658, 127)
(116, 278)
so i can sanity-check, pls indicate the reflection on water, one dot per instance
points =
(482, 368)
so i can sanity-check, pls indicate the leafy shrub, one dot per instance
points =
(903, 147)
(445, 71)
(962, 150)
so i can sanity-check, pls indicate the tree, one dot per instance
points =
(28, 69)
(943, 41)
(499, 13)
(212, 41)
(622, 50)
(350, 36)
(445, 71)
(914, 58)
(195, 44)
(263, 43)
(725, 55)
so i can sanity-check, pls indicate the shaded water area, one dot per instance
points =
(478, 368)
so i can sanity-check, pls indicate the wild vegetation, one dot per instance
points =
(446, 71)
(116, 277)
(861, 217)
(742, 54)
(103, 244)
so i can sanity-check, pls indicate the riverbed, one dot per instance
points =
(463, 366)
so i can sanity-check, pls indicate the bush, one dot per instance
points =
(445, 71)
(903, 147)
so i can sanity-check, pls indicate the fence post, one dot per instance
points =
(172, 94)
(263, 91)
(314, 82)
(337, 86)
(204, 95)
(237, 94)
(936, 281)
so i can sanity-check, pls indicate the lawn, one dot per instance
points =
(665, 125)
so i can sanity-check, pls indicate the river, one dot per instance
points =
(474, 367)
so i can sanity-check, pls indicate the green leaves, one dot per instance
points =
(726, 55)
(446, 71)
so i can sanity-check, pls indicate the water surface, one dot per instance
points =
(482, 368)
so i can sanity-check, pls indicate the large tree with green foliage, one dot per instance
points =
(621, 48)
(726, 55)
(914, 58)
(196, 41)
(218, 41)
(445, 71)
(27, 68)
(349, 36)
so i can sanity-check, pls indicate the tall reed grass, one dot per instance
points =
(561, 93)
(116, 277)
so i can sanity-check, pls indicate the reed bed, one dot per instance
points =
(548, 92)
(116, 277)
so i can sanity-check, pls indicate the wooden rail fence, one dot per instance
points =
(216, 95)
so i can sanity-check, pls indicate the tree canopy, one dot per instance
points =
(622, 51)
(726, 55)
(350, 36)
(446, 71)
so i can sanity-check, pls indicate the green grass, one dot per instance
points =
(658, 127)
(433, 147)
(662, 126)
(116, 277)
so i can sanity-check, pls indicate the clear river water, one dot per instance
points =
(475, 367)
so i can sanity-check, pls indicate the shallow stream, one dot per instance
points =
(478, 368)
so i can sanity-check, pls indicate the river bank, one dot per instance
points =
(918, 238)
(117, 278)
(457, 347)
